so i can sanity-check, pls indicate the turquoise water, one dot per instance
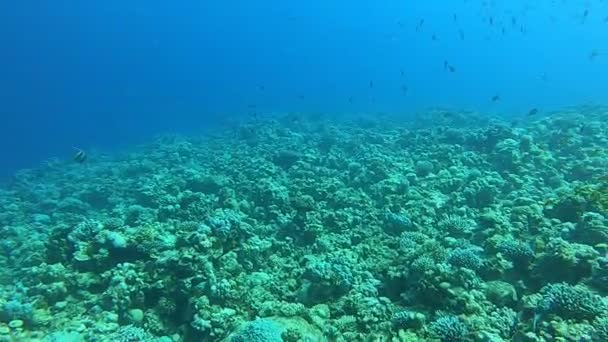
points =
(320, 171)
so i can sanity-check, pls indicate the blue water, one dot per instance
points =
(112, 73)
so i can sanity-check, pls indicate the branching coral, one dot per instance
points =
(571, 302)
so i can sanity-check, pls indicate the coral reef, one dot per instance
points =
(451, 226)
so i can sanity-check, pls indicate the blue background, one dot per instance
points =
(106, 74)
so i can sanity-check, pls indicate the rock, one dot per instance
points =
(15, 324)
(501, 293)
(136, 315)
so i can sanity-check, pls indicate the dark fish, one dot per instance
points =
(593, 55)
(80, 156)
(585, 14)
(491, 20)
(434, 37)
(533, 111)
(513, 21)
(461, 33)
(371, 84)
(350, 99)
(301, 97)
(252, 106)
(495, 98)
(402, 73)
(404, 90)
(420, 23)
(455, 17)
(261, 88)
(503, 30)
(606, 20)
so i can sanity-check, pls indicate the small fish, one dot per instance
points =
(434, 37)
(402, 73)
(448, 66)
(461, 33)
(533, 111)
(544, 77)
(261, 87)
(586, 13)
(606, 20)
(593, 55)
(581, 128)
(495, 98)
(371, 84)
(350, 99)
(513, 21)
(491, 21)
(420, 23)
(80, 156)
(404, 90)
(252, 106)
(455, 18)
(503, 30)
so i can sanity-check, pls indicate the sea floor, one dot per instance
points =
(450, 226)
